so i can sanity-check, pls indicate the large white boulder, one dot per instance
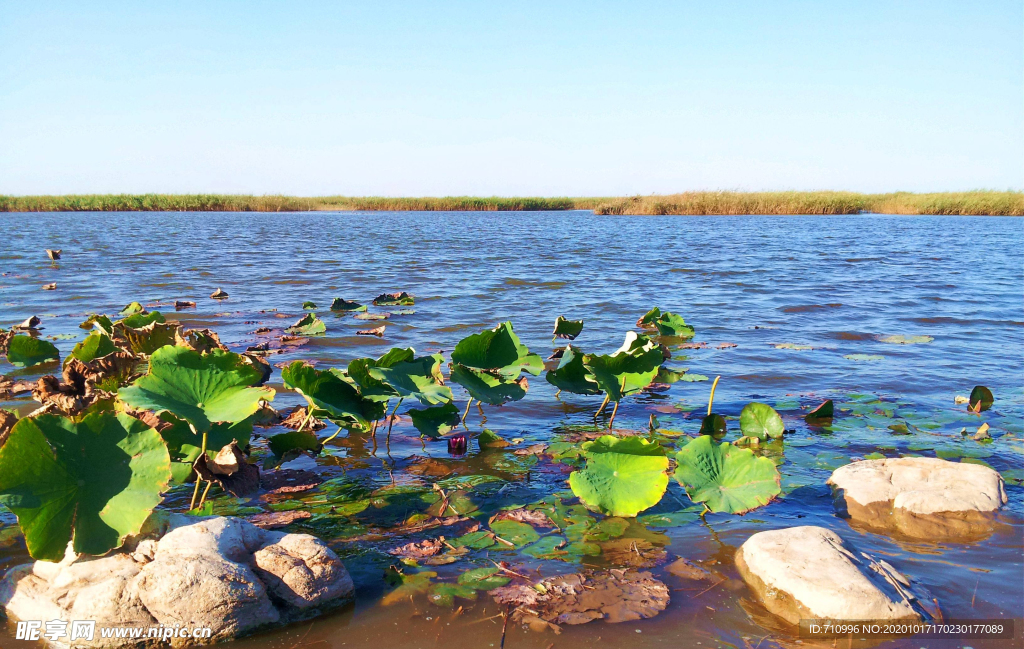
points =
(224, 574)
(807, 572)
(919, 497)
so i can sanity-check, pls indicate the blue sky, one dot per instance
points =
(514, 98)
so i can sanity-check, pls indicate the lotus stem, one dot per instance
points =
(604, 403)
(612, 420)
(558, 393)
(195, 494)
(205, 491)
(309, 415)
(712, 397)
(336, 433)
(391, 422)
(466, 412)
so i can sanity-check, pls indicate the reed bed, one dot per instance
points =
(981, 202)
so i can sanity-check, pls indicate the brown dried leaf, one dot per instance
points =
(633, 553)
(376, 331)
(297, 416)
(274, 520)
(288, 481)
(425, 548)
(7, 421)
(688, 570)
(535, 518)
(243, 479)
(200, 340)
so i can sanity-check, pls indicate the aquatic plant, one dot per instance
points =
(26, 351)
(568, 329)
(761, 421)
(489, 365)
(622, 477)
(724, 477)
(626, 371)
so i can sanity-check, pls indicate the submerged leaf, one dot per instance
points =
(726, 478)
(623, 476)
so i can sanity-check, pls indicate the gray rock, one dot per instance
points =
(807, 572)
(918, 497)
(222, 573)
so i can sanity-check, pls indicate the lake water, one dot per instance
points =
(834, 284)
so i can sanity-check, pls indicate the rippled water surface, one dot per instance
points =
(834, 284)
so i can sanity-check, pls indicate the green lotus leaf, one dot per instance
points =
(199, 388)
(435, 421)
(308, 325)
(140, 320)
(567, 328)
(863, 357)
(340, 304)
(647, 320)
(622, 477)
(483, 578)
(302, 440)
(726, 478)
(489, 388)
(474, 540)
(571, 375)
(488, 350)
(185, 446)
(672, 324)
(328, 395)
(407, 584)
(96, 345)
(490, 439)
(713, 424)
(761, 421)
(394, 299)
(373, 388)
(100, 322)
(420, 378)
(666, 375)
(132, 309)
(981, 398)
(26, 351)
(308, 305)
(148, 338)
(629, 370)
(693, 378)
(516, 533)
(906, 340)
(93, 482)
(445, 594)
(825, 411)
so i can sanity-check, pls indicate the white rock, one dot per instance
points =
(919, 497)
(222, 573)
(806, 572)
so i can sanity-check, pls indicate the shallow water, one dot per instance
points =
(836, 284)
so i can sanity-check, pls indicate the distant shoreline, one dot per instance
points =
(981, 203)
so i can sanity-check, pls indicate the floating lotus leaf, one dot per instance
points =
(133, 308)
(571, 375)
(394, 299)
(371, 316)
(693, 378)
(435, 421)
(792, 346)
(981, 398)
(623, 476)
(92, 482)
(863, 357)
(308, 325)
(761, 421)
(483, 578)
(491, 389)
(825, 411)
(666, 375)
(515, 532)
(672, 324)
(490, 439)
(407, 585)
(445, 594)
(567, 328)
(340, 304)
(647, 320)
(328, 395)
(628, 370)
(373, 388)
(26, 351)
(100, 322)
(185, 446)
(308, 305)
(420, 378)
(96, 345)
(199, 388)
(474, 540)
(726, 478)
(906, 340)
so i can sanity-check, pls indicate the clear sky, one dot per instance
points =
(513, 98)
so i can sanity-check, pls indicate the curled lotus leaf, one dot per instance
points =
(490, 388)
(374, 388)
(713, 425)
(340, 304)
(100, 322)
(96, 345)
(567, 329)
(628, 370)
(308, 325)
(92, 481)
(140, 320)
(646, 321)
(199, 388)
(825, 411)
(149, 338)
(761, 421)
(308, 305)
(185, 446)
(981, 399)
(419, 378)
(622, 477)
(672, 324)
(132, 308)
(726, 478)
(26, 351)
(394, 299)
(437, 420)
(571, 375)
(328, 394)
(497, 350)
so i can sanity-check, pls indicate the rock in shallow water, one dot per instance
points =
(221, 573)
(917, 497)
(807, 572)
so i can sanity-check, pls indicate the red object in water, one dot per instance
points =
(457, 444)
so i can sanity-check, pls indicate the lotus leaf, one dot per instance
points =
(92, 481)
(496, 349)
(825, 411)
(185, 446)
(26, 351)
(96, 345)
(692, 378)
(435, 421)
(490, 439)
(302, 440)
(394, 299)
(373, 388)
(407, 585)
(199, 388)
(132, 309)
(420, 378)
(571, 375)
(328, 395)
(474, 540)
(140, 320)
(340, 304)
(981, 398)
(515, 532)
(100, 322)
(308, 325)
(483, 578)
(489, 388)
(906, 340)
(623, 476)
(628, 370)
(726, 478)
(149, 338)
(445, 594)
(672, 324)
(647, 320)
(761, 421)
(308, 305)
(567, 328)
